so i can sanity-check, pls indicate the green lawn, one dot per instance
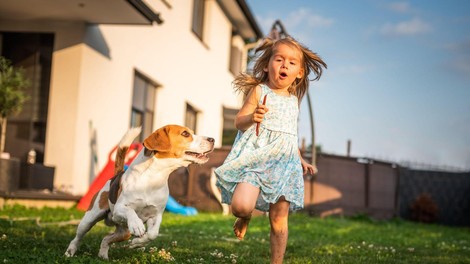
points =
(42, 236)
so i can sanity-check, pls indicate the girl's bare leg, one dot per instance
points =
(243, 203)
(278, 218)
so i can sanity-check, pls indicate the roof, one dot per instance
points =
(90, 11)
(241, 18)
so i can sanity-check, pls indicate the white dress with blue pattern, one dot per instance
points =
(269, 161)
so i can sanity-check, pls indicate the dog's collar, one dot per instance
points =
(148, 152)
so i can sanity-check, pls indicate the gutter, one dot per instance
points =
(246, 11)
(146, 11)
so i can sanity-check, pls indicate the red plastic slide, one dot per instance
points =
(106, 174)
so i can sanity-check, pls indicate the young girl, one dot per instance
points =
(264, 168)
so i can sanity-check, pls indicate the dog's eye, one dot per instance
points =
(185, 134)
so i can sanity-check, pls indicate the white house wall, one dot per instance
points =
(92, 79)
(92, 87)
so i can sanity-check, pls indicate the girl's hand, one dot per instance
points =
(308, 168)
(258, 115)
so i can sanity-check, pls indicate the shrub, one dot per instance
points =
(424, 209)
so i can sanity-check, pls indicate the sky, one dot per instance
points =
(398, 79)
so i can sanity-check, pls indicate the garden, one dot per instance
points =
(29, 235)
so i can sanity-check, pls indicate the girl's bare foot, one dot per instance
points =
(240, 226)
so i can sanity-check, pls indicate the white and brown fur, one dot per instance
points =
(138, 196)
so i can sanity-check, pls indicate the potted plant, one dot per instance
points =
(12, 95)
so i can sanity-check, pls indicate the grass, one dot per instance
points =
(42, 236)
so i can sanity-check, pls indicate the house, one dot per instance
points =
(98, 67)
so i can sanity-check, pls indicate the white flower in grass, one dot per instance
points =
(4, 237)
(165, 255)
(411, 249)
(217, 254)
(174, 243)
(153, 249)
(371, 245)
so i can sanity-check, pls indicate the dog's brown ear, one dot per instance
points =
(159, 140)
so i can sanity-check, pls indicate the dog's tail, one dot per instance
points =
(123, 147)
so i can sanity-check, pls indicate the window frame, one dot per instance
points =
(197, 22)
(191, 117)
(143, 109)
(229, 130)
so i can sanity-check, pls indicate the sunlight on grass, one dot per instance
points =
(41, 236)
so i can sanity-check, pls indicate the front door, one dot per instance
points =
(27, 130)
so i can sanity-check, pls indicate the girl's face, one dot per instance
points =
(285, 65)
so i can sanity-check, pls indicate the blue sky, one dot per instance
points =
(398, 77)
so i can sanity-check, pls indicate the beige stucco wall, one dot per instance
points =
(61, 139)
(92, 80)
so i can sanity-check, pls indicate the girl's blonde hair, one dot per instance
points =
(310, 62)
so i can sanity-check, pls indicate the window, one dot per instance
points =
(143, 105)
(229, 131)
(198, 18)
(191, 117)
(237, 54)
(235, 60)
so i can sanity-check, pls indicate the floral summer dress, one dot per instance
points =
(269, 161)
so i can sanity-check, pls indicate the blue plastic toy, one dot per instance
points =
(174, 207)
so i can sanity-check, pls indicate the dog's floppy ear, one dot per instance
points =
(159, 140)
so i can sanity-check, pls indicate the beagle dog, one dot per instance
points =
(137, 196)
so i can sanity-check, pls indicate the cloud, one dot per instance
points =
(399, 7)
(305, 16)
(412, 27)
(300, 18)
(461, 60)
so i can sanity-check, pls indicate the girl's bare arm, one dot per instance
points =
(307, 167)
(250, 112)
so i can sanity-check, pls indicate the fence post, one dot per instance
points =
(366, 184)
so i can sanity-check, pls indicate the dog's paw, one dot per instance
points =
(136, 227)
(70, 251)
(103, 255)
(139, 242)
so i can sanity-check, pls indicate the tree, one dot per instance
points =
(12, 94)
